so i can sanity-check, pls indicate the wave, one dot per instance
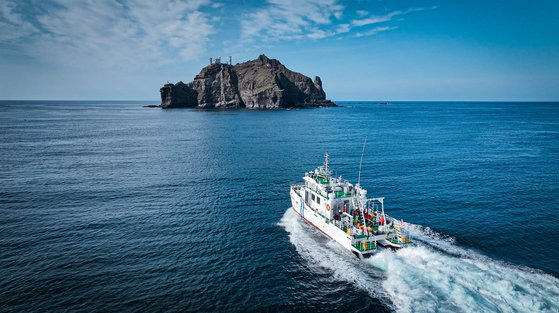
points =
(319, 251)
(434, 275)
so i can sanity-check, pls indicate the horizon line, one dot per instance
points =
(387, 101)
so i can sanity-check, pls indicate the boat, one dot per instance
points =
(396, 237)
(342, 212)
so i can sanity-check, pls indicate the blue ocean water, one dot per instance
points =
(109, 206)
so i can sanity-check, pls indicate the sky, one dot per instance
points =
(362, 49)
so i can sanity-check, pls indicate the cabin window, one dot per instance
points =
(313, 197)
(318, 200)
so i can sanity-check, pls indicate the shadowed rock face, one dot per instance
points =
(260, 83)
(178, 95)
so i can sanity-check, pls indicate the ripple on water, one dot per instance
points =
(434, 275)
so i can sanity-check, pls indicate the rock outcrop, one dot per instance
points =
(261, 83)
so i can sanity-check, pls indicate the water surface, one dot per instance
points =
(108, 206)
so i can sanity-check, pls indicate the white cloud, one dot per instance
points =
(12, 24)
(136, 34)
(343, 28)
(362, 13)
(383, 18)
(374, 19)
(109, 33)
(285, 20)
(374, 31)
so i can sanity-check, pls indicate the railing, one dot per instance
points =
(364, 246)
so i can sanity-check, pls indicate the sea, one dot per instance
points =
(113, 207)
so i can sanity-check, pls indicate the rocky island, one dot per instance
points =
(262, 83)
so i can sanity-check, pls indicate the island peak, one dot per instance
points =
(261, 83)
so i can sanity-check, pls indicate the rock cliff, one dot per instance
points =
(260, 83)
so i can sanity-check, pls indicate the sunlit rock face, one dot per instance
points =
(261, 83)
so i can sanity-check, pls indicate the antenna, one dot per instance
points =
(326, 160)
(361, 162)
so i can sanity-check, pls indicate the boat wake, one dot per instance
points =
(433, 275)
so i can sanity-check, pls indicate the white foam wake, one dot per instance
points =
(425, 279)
(320, 252)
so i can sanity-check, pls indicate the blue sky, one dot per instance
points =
(363, 50)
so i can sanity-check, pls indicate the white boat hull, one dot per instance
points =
(326, 228)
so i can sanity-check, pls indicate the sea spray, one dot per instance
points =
(434, 275)
(318, 252)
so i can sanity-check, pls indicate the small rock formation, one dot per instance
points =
(261, 83)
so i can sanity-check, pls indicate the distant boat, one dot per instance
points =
(342, 212)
